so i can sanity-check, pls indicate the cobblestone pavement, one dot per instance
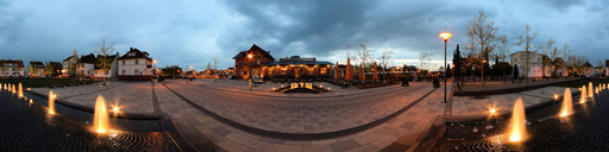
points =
(473, 107)
(132, 97)
(300, 115)
(405, 126)
(240, 86)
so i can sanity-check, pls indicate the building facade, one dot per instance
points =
(297, 68)
(52, 69)
(85, 66)
(11, 68)
(69, 66)
(251, 62)
(35, 69)
(135, 65)
(107, 70)
(535, 65)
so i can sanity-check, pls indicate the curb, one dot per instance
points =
(508, 90)
(300, 136)
(130, 116)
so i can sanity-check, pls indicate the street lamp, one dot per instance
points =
(445, 36)
(249, 57)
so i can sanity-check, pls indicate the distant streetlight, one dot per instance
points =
(445, 36)
(249, 57)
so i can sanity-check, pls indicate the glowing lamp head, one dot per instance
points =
(555, 97)
(515, 138)
(115, 109)
(250, 55)
(563, 114)
(492, 111)
(445, 35)
(153, 61)
(101, 131)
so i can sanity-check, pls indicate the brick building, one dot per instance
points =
(251, 61)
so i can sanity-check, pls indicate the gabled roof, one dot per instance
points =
(36, 63)
(88, 59)
(68, 58)
(54, 64)
(18, 62)
(252, 49)
(134, 53)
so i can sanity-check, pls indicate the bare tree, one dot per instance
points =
(104, 50)
(215, 64)
(364, 54)
(482, 33)
(385, 58)
(565, 51)
(525, 41)
(504, 47)
(422, 58)
(550, 50)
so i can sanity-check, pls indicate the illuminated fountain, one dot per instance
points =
(517, 130)
(52, 97)
(20, 94)
(13, 90)
(100, 116)
(590, 93)
(567, 104)
(582, 97)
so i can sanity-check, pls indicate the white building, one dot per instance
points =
(135, 65)
(11, 68)
(35, 69)
(535, 65)
(69, 66)
(111, 70)
(85, 66)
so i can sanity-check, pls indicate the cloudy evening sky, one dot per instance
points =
(186, 32)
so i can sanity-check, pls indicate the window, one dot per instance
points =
(136, 72)
(123, 64)
(137, 61)
(123, 71)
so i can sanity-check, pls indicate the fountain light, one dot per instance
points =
(1, 88)
(52, 97)
(582, 97)
(329, 88)
(100, 116)
(517, 130)
(13, 90)
(20, 94)
(115, 109)
(31, 101)
(567, 105)
(555, 96)
(492, 111)
(590, 93)
(274, 89)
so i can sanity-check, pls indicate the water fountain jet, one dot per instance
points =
(582, 97)
(13, 90)
(567, 105)
(590, 93)
(20, 94)
(52, 97)
(517, 130)
(100, 116)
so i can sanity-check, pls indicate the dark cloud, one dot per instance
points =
(196, 32)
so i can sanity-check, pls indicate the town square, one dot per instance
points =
(303, 76)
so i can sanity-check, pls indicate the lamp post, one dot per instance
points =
(249, 57)
(445, 36)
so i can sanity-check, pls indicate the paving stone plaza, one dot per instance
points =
(226, 114)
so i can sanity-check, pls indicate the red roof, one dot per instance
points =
(18, 62)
